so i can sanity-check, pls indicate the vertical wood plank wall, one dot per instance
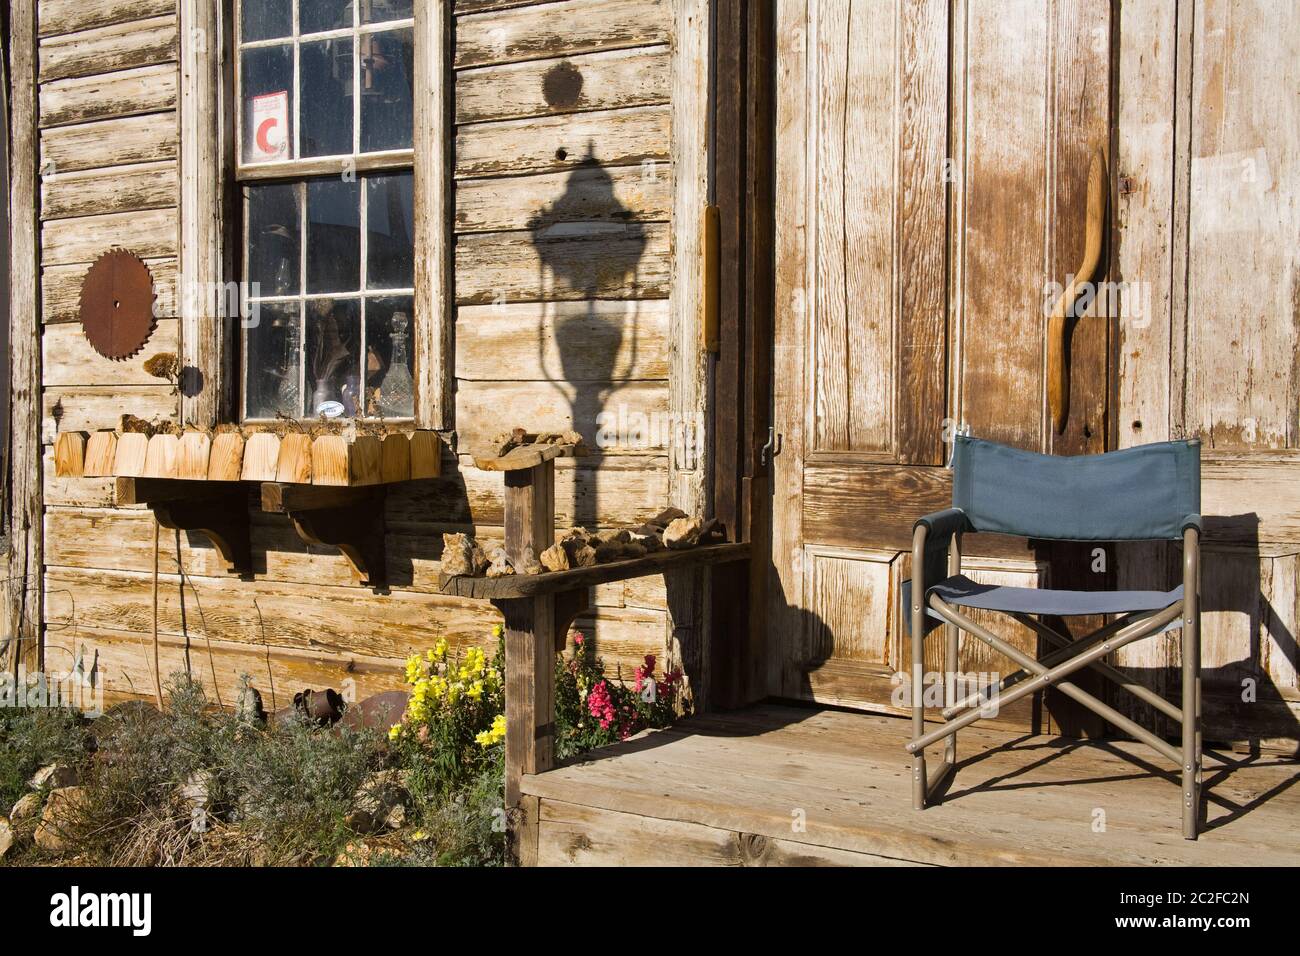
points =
(1206, 213)
(563, 208)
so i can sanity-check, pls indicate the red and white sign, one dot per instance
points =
(268, 128)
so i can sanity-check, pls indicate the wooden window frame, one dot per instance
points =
(210, 245)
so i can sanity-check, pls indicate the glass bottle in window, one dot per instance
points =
(397, 390)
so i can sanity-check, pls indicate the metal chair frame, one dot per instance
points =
(1054, 668)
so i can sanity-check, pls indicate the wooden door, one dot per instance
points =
(932, 160)
(1208, 151)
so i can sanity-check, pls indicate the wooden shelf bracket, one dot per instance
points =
(216, 509)
(348, 518)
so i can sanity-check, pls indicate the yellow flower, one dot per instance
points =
(475, 690)
(413, 669)
(394, 731)
(497, 630)
(440, 649)
(494, 734)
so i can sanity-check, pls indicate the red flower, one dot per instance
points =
(600, 704)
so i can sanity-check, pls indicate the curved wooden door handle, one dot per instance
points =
(1058, 373)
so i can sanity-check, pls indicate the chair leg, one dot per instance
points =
(950, 655)
(950, 688)
(919, 786)
(1191, 654)
(918, 713)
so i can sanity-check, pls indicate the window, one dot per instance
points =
(325, 92)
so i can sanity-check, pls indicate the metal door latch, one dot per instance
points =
(772, 448)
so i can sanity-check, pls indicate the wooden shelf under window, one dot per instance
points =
(296, 458)
(331, 489)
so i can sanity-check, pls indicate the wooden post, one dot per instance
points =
(20, 642)
(203, 256)
(530, 710)
(530, 652)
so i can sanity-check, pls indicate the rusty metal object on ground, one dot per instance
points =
(319, 706)
(117, 304)
(379, 711)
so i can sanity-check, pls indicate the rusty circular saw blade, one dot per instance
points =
(117, 304)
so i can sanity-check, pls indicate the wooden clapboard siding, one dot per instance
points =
(68, 16)
(547, 30)
(89, 408)
(307, 616)
(318, 617)
(109, 145)
(119, 189)
(68, 359)
(147, 233)
(74, 492)
(120, 46)
(114, 142)
(621, 490)
(119, 662)
(587, 194)
(592, 341)
(479, 6)
(562, 143)
(612, 261)
(146, 89)
(571, 84)
(61, 289)
(555, 406)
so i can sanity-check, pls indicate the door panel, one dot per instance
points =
(918, 222)
(852, 365)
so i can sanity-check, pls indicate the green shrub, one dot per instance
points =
(31, 738)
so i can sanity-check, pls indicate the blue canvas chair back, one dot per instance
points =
(1136, 494)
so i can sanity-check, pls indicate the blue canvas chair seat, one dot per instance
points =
(1149, 493)
(964, 592)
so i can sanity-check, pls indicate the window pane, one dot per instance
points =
(387, 62)
(273, 239)
(271, 366)
(267, 79)
(316, 16)
(333, 357)
(266, 19)
(390, 224)
(333, 236)
(390, 365)
(325, 71)
(378, 11)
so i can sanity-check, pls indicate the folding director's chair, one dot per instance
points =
(1149, 493)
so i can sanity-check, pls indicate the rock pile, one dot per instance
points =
(579, 548)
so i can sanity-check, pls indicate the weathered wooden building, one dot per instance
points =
(766, 258)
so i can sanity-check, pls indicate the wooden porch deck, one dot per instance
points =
(730, 789)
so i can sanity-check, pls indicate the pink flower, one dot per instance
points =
(601, 705)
